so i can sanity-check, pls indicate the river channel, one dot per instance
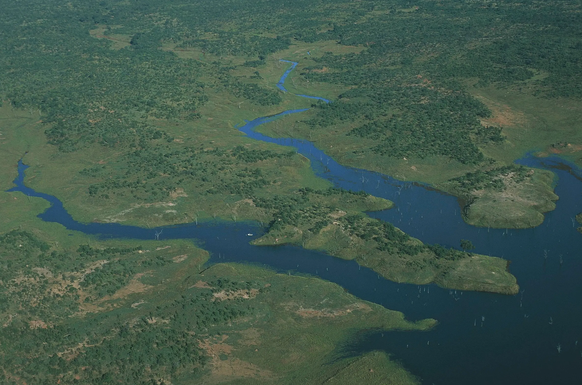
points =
(534, 337)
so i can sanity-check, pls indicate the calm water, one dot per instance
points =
(482, 338)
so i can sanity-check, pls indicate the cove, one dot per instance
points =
(482, 338)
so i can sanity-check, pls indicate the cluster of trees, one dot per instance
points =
(415, 64)
(102, 349)
(255, 93)
(100, 95)
(405, 88)
(152, 173)
(445, 43)
(311, 214)
(408, 117)
(89, 93)
(490, 179)
(307, 208)
(237, 44)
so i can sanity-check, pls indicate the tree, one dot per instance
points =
(467, 245)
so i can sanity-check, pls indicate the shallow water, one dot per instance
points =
(482, 338)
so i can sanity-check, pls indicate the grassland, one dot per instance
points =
(87, 301)
(530, 123)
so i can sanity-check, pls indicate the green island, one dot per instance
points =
(126, 112)
(338, 226)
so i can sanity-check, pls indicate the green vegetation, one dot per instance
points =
(424, 106)
(467, 245)
(511, 196)
(202, 174)
(126, 112)
(119, 311)
(410, 101)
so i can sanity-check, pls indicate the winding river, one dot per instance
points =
(534, 337)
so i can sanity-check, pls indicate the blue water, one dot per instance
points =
(481, 338)
(281, 82)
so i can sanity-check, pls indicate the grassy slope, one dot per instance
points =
(533, 123)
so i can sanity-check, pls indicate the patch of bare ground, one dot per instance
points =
(250, 202)
(37, 324)
(323, 70)
(502, 115)
(8, 321)
(298, 309)
(180, 258)
(225, 368)
(229, 295)
(138, 303)
(119, 217)
(72, 352)
(202, 285)
(177, 193)
(337, 214)
(564, 148)
(118, 41)
(216, 345)
(43, 272)
(133, 287)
